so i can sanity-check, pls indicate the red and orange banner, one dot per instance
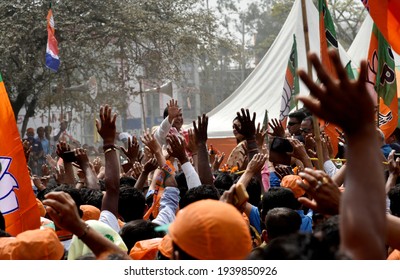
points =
(17, 200)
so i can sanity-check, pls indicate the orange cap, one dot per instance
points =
(38, 244)
(145, 249)
(211, 230)
(165, 246)
(90, 212)
(289, 181)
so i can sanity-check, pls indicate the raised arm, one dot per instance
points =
(63, 212)
(83, 162)
(348, 104)
(106, 128)
(200, 132)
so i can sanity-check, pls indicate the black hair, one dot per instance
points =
(299, 115)
(127, 181)
(138, 230)
(92, 197)
(165, 114)
(297, 246)
(223, 180)
(328, 233)
(73, 192)
(281, 221)
(278, 197)
(199, 193)
(131, 203)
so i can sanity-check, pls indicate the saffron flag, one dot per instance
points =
(328, 40)
(52, 59)
(17, 200)
(386, 15)
(381, 81)
(291, 85)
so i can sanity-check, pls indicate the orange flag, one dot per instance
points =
(386, 15)
(381, 81)
(328, 39)
(17, 200)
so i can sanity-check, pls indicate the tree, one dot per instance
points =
(111, 39)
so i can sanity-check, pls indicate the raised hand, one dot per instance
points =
(324, 191)
(82, 158)
(173, 110)
(132, 153)
(62, 147)
(200, 129)
(283, 170)
(248, 127)
(256, 164)
(27, 149)
(192, 144)
(151, 142)
(150, 166)
(334, 101)
(176, 148)
(217, 161)
(277, 128)
(106, 125)
(260, 136)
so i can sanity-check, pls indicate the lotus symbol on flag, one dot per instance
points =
(8, 199)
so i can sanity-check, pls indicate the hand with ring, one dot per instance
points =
(324, 191)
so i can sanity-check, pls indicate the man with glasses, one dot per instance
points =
(294, 123)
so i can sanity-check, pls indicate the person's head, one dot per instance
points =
(394, 197)
(278, 197)
(328, 233)
(63, 125)
(92, 197)
(307, 126)
(178, 121)
(296, 246)
(223, 180)
(290, 182)
(131, 203)
(30, 132)
(210, 230)
(239, 137)
(73, 192)
(47, 130)
(40, 132)
(199, 193)
(281, 221)
(294, 122)
(138, 230)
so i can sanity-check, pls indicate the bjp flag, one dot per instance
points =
(381, 81)
(328, 40)
(291, 85)
(17, 200)
(386, 15)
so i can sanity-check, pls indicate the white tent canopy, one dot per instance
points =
(359, 48)
(262, 90)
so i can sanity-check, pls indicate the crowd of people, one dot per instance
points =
(275, 197)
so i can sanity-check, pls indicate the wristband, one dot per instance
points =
(109, 146)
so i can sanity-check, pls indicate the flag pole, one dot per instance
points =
(49, 113)
(142, 102)
(317, 135)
